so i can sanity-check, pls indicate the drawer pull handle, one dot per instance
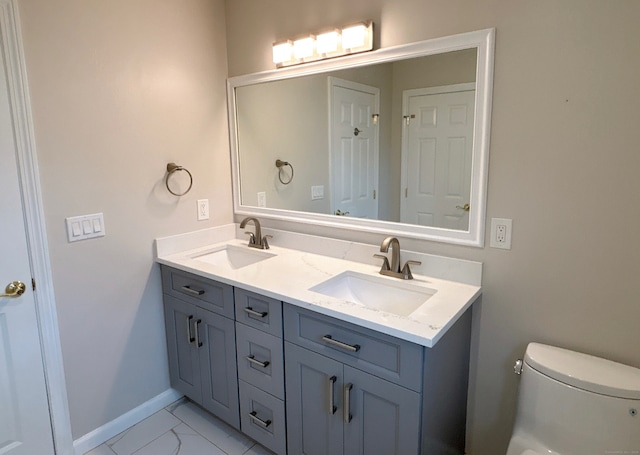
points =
(255, 361)
(258, 314)
(332, 407)
(199, 343)
(258, 420)
(347, 405)
(190, 338)
(194, 292)
(340, 344)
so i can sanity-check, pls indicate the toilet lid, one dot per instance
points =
(584, 371)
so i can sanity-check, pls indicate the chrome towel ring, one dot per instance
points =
(171, 169)
(280, 164)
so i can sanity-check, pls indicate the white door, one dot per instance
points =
(25, 426)
(354, 149)
(436, 156)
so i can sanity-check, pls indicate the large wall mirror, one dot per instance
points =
(394, 141)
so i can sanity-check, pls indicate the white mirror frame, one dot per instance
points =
(483, 41)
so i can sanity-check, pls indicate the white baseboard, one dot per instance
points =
(107, 431)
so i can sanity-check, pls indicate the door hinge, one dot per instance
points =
(374, 194)
(33, 283)
(406, 192)
(407, 118)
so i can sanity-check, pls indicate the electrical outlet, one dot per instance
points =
(262, 199)
(203, 209)
(501, 233)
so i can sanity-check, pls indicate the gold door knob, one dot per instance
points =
(465, 207)
(14, 289)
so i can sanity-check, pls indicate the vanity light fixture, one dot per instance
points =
(350, 39)
(304, 47)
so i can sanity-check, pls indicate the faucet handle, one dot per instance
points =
(265, 243)
(385, 263)
(252, 238)
(406, 271)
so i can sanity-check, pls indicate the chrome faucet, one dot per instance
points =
(256, 240)
(394, 269)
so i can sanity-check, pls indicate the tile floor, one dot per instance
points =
(181, 428)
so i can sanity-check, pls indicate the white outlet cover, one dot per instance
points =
(494, 241)
(203, 209)
(262, 199)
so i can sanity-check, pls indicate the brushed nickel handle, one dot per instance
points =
(332, 383)
(258, 314)
(194, 292)
(251, 358)
(190, 338)
(340, 344)
(347, 405)
(258, 420)
(198, 342)
(14, 289)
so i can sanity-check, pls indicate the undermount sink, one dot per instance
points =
(233, 257)
(377, 293)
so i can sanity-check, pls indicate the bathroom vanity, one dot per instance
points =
(271, 342)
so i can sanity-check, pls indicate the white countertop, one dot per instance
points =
(297, 266)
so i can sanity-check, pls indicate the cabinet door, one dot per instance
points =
(218, 368)
(313, 427)
(382, 418)
(184, 363)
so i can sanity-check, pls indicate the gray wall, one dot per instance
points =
(563, 165)
(119, 89)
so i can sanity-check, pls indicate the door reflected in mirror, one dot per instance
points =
(402, 141)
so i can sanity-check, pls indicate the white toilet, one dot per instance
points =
(575, 404)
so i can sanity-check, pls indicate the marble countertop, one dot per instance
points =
(301, 262)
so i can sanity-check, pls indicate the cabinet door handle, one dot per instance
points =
(347, 405)
(332, 407)
(194, 292)
(258, 420)
(258, 314)
(190, 338)
(251, 358)
(199, 343)
(340, 344)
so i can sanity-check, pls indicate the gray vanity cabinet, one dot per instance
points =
(335, 406)
(201, 343)
(300, 382)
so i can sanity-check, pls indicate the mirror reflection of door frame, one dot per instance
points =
(457, 215)
(363, 200)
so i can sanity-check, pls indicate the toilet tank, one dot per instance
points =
(571, 403)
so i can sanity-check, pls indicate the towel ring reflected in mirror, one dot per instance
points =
(172, 168)
(280, 164)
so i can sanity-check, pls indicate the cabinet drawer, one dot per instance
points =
(262, 418)
(208, 294)
(255, 310)
(382, 355)
(260, 359)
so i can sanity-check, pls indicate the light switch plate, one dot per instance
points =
(317, 192)
(85, 227)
